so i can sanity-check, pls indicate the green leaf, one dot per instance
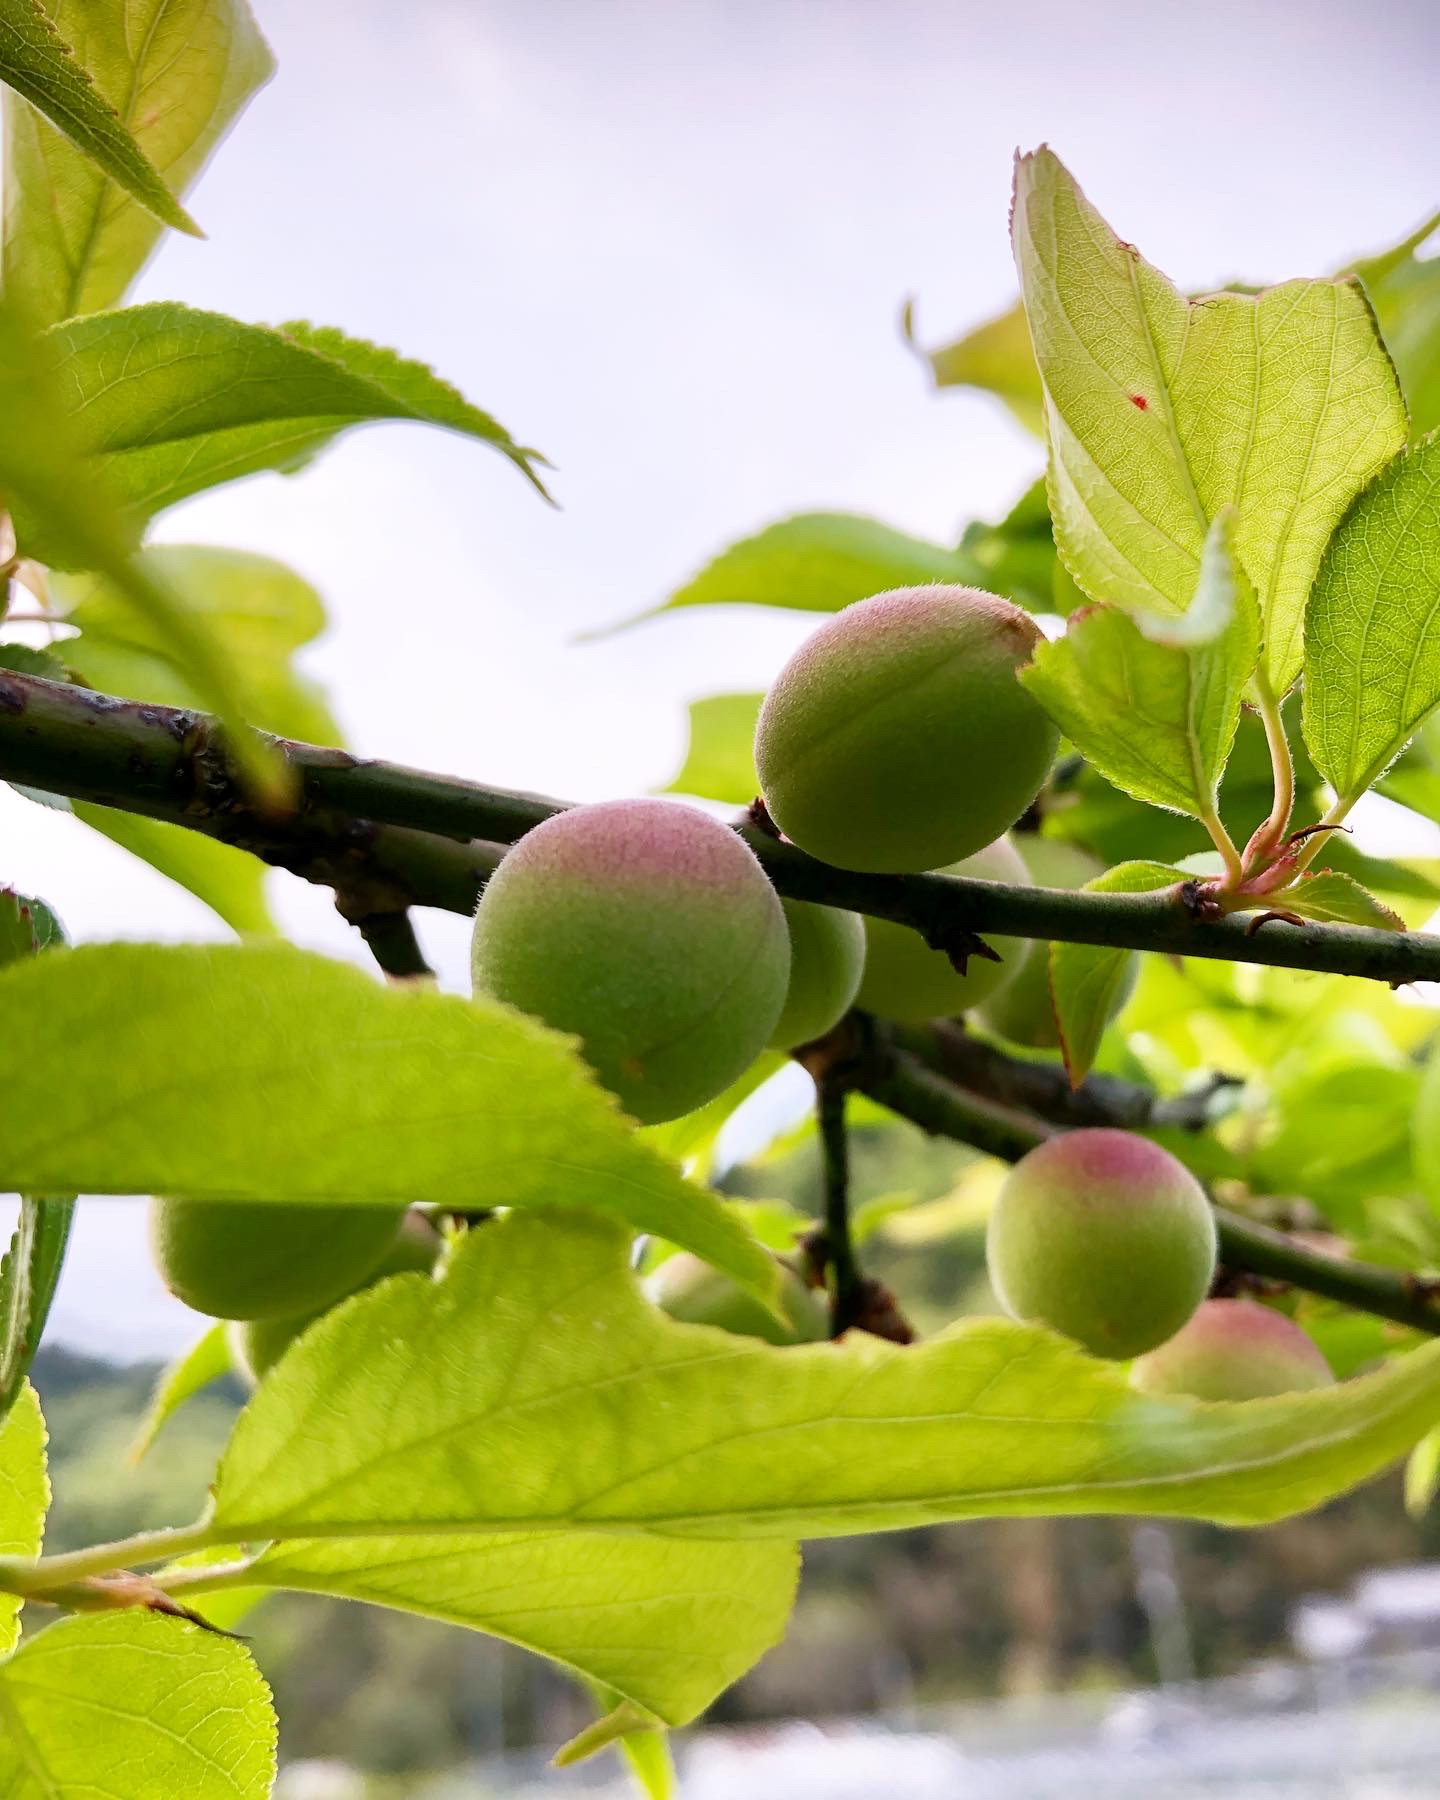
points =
(817, 562)
(29, 1274)
(1405, 291)
(995, 357)
(168, 401)
(133, 1697)
(1162, 410)
(261, 1072)
(1017, 557)
(583, 1406)
(1422, 1475)
(670, 1625)
(230, 882)
(1153, 703)
(258, 611)
(24, 1499)
(720, 761)
(46, 477)
(39, 65)
(1337, 899)
(1086, 979)
(177, 73)
(1372, 642)
(207, 1360)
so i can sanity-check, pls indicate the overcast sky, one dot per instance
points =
(667, 244)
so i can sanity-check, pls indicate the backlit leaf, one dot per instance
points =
(38, 64)
(1372, 631)
(1162, 410)
(177, 73)
(1086, 979)
(261, 1072)
(583, 1406)
(131, 1704)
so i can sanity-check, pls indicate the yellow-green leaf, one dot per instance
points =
(261, 1072)
(1372, 631)
(176, 73)
(1152, 702)
(1162, 410)
(1086, 979)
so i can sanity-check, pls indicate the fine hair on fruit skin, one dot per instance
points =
(905, 979)
(649, 931)
(827, 959)
(1234, 1350)
(1104, 1236)
(897, 738)
(266, 1260)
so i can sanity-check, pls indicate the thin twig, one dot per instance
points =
(846, 1285)
(394, 945)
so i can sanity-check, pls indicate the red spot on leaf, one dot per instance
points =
(1140, 401)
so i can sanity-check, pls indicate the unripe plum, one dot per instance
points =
(905, 979)
(692, 1292)
(652, 933)
(1021, 1010)
(256, 1345)
(1105, 1237)
(827, 957)
(239, 1260)
(1234, 1350)
(897, 738)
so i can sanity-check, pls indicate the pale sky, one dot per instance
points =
(666, 243)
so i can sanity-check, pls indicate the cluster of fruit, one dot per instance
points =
(896, 740)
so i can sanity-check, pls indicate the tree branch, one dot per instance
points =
(171, 764)
(899, 1080)
(1043, 1087)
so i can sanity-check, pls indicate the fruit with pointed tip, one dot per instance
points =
(692, 1292)
(897, 738)
(651, 932)
(1103, 1236)
(1022, 1010)
(1234, 1350)
(256, 1345)
(263, 1260)
(827, 958)
(905, 979)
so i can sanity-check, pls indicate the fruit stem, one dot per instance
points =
(1271, 834)
(1225, 844)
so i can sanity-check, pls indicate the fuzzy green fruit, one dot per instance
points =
(695, 1294)
(1103, 1236)
(897, 738)
(261, 1261)
(256, 1345)
(1234, 1350)
(1022, 1009)
(652, 933)
(827, 958)
(905, 979)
